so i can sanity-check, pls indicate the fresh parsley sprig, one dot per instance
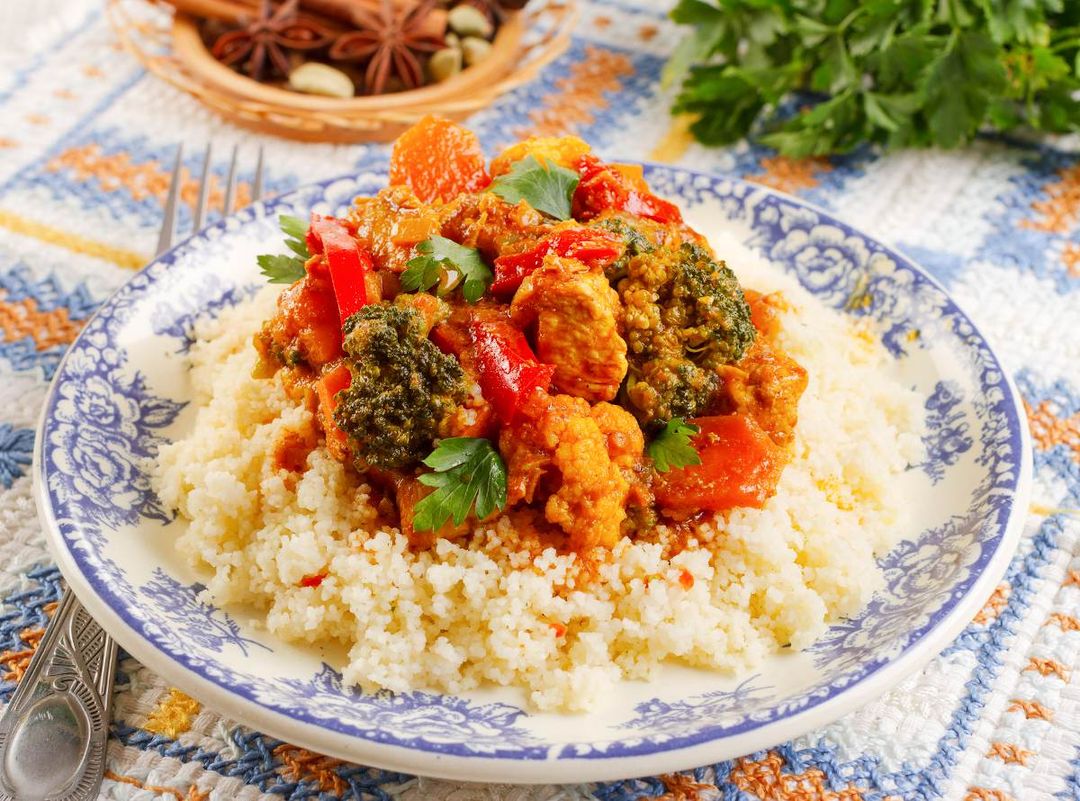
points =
(469, 473)
(671, 448)
(547, 187)
(280, 269)
(444, 258)
(815, 78)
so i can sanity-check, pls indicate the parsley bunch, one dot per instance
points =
(822, 76)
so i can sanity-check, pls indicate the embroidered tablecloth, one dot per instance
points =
(85, 148)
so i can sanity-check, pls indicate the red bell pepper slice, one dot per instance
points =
(509, 371)
(602, 188)
(740, 466)
(347, 261)
(588, 245)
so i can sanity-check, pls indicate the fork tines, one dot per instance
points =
(199, 213)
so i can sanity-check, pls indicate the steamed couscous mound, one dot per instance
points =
(497, 606)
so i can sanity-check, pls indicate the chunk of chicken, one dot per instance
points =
(582, 459)
(577, 327)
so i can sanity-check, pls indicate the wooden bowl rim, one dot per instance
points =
(188, 48)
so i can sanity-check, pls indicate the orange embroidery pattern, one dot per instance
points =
(193, 793)
(648, 32)
(22, 318)
(681, 787)
(1032, 710)
(148, 179)
(790, 175)
(1071, 256)
(764, 779)
(994, 605)
(1063, 621)
(1010, 754)
(1045, 667)
(5, 142)
(303, 765)
(1060, 211)
(1049, 430)
(579, 95)
(16, 662)
(983, 794)
(93, 72)
(1072, 580)
(37, 119)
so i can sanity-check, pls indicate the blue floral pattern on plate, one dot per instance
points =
(110, 410)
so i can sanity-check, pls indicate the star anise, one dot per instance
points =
(268, 36)
(391, 42)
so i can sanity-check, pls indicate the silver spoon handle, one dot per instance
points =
(54, 733)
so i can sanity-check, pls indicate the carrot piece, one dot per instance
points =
(740, 466)
(327, 388)
(438, 160)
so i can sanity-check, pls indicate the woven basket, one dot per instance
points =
(170, 47)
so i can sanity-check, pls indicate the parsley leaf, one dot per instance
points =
(812, 78)
(546, 187)
(672, 447)
(468, 473)
(280, 269)
(443, 261)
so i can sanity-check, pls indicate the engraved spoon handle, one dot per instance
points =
(55, 730)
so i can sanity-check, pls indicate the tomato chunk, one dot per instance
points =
(327, 388)
(590, 246)
(438, 160)
(740, 466)
(620, 187)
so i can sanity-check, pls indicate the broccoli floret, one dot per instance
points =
(402, 387)
(634, 243)
(667, 388)
(685, 317)
(708, 304)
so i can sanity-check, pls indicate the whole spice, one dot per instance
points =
(475, 49)
(314, 78)
(392, 41)
(468, 20)
(269, 36)
(444, 64)
(495, 10)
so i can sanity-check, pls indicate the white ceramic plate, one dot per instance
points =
(121, 391)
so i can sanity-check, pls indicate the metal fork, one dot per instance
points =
(55, 730)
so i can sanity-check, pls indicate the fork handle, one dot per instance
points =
(55, 730)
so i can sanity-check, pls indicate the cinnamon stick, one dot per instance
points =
(238, 12)
(344, 10)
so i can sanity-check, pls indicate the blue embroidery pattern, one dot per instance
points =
(16, 447)
(19, 284)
